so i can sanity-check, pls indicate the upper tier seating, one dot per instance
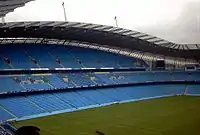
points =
(25, 56)
(3, 65)
(43, 59)
(17, 56)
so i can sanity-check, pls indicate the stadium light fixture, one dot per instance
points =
(115, 18)
(65, 16)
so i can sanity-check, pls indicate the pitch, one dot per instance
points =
(178, 115)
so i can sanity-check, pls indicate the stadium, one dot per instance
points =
(84, 79)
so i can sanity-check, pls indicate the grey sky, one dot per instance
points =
(174, 20)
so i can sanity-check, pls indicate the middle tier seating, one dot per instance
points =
(72, 80)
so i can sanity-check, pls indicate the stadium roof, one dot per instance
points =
(7, 6)
(100, 34)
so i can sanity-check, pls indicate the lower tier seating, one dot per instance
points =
(75, 99)
(4, 115)
(20, 106)
(34, 104)
(49, 102)
(193, 89)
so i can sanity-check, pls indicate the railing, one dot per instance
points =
(64, 70)
(4, 131)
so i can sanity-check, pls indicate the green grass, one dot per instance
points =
(165, 116)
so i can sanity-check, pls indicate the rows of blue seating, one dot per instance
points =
(74, 99)
(43, 59)
(80, 79)
(55, 56)
(193, 89)
(49, 102)
(17, 56)
(21, 106)
(7, 84)
(4, 115)
(58, 81)
(148, 76)
(55, 81)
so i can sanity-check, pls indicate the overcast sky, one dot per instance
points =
(175, 20)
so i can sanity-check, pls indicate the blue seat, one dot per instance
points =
(7, 84)
(80, 79)
(141, 76)
(20, 106)
(193, 89)
(21, 56)
(17, 56)
(105, 78)
(115, 93)
(194, 76)
(95, 96)
(43, 86)
(75, 99)
(57, 82)
(180, 75)
(3, 65)
(64, 55)
(139, 92)
(163, 76)
(4, 115)
(49, 102)
(96, 80)
(44, 59)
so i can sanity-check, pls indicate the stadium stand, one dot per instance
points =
(193, 90)
(80, 79)
(22, 106)
(57, 82)
(17, 83)
(8, 84)
(48, 68)
(64, 95)
(49, 102)
(5, 115)
(55, 56)
(71, 98)
(17, 57)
